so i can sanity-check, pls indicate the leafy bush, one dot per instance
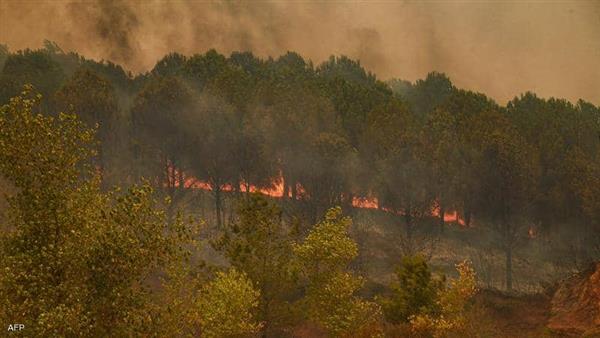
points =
(330, 296)
(415, 292)
(452, 304)
(227, 304)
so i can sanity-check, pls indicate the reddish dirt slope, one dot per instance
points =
(576, 304)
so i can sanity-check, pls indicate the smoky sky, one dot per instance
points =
(499, 48)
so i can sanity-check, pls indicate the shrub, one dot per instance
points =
(227, 304)
(415, 292)
(452, 304)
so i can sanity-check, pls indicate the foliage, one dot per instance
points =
(327, 248)
(334, 305)
(227, 304)
(330, 132)
(259, 245)
(30, 67)
(453, 303)
(93, 99)
(77, 260)
(414, 292)
(330, 293)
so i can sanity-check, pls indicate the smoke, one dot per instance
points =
(113, 26)
(501, 49)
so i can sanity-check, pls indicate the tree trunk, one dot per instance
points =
(467, 213)
(237, 190)
(218, 205)
(509, 280)
(508, 246)
(442, 212)
(294, 191)
(285, 187)
(247, 190)
(409, 223)
(348, 203)
(181, 178)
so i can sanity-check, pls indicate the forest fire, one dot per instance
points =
(174, 177)
(365, 202)
(449, 216)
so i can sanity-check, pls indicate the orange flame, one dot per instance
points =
(449, 216)
(532, 233)
(191, 182)
(365, 202)
(277, 190)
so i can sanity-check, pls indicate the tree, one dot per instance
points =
(507, 171)
(401, 175)
(201, 69)
(442, 153)
(235, 85)
(330, 168)
(259, 245)
(291, 121)
(30, 67)
(3, 54)
(212, 135)
(79, 258)
(453, 302)
(330, 298)
(451, 125)
(425, 95)
(354, 93)
(159, 113)
(227, 304)
(415, 292)
(171, 65)
(93, 99)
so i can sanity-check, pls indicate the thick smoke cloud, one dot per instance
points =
(501, 49)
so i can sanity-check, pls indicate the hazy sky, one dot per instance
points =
(501, 48)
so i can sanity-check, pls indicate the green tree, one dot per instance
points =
(34, 67)
(442, 153)
(291, 120)
(171, 65)
(161, 147)
(328, 178)
(227, 305)
(415, 291)
(507, 171)
(453, 303)
(80, 259)
(212, 135)
(260, 246)
(401, 176)
(354, 93)
(3, 55)
(202, 68)
(427, 94)
(331, 300)
(93, 99)
(448, 129)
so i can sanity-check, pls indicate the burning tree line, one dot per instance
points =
(329, 134)
(78, 260)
